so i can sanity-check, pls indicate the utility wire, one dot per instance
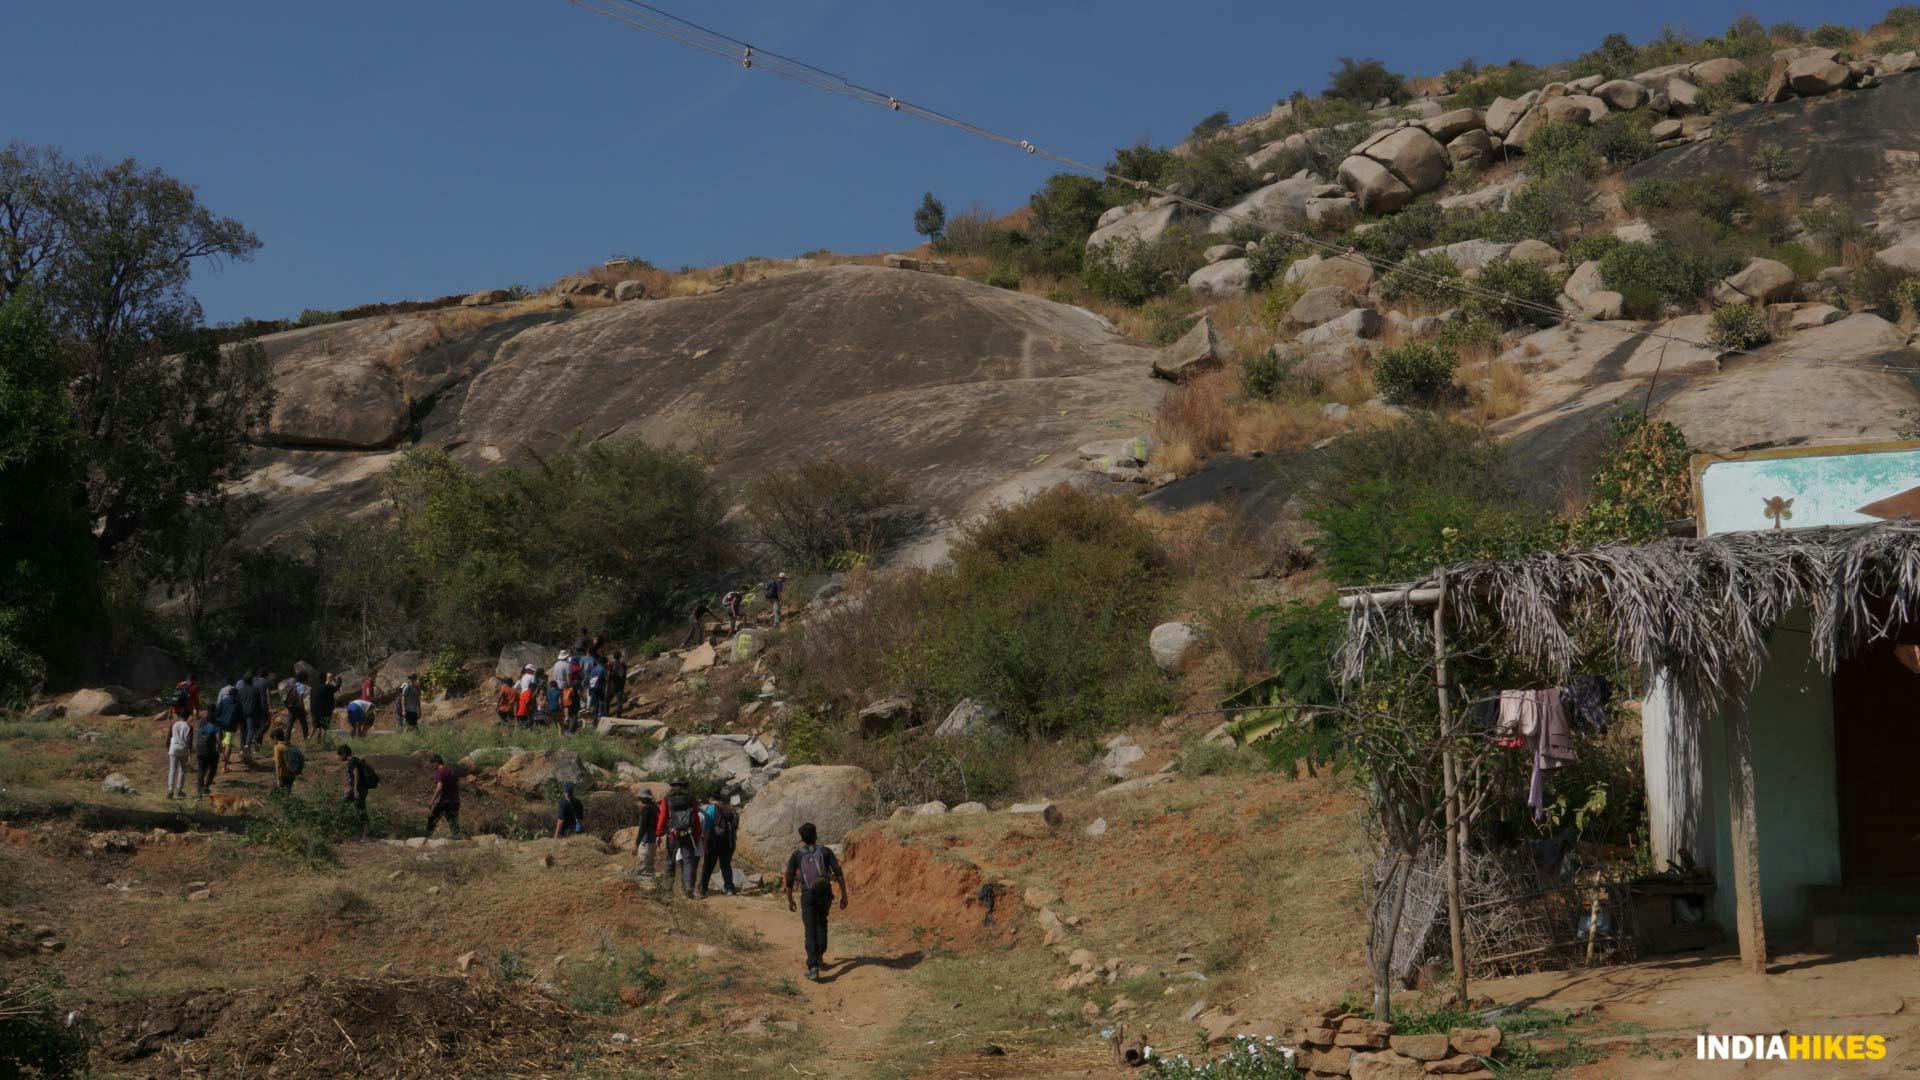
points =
(658, 21)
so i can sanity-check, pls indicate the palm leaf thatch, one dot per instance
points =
(1699, 609)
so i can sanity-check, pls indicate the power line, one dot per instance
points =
(664, 23)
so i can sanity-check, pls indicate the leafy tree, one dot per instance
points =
(1069, 207)
(1364, 82)
(46, 601)
(817, 511)
(1213, 124)
(1641, 483)
(1215, 173)
(930, 220)
(1616, 58)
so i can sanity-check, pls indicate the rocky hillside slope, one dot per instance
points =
(971, 392)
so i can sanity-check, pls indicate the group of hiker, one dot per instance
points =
(584, 682)
(241, 717)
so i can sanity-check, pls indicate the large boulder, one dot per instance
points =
(1472, 254)
(529, 771)
(1682, 97)
(1761, 280)
(1811, 76)
(1224, 280)
(1324, 304)
(394, 670)
(1374, 185)
(1621, 95)
(146, 668)
(1172, 643)
(829, 796)
(516, 655)
(1199, 351)
(1503, 114)
(85, 704)
(1450, 125)
(1579, 110)
(713, 755)
(1714, 72)
(639, 729)
(1281, 203)
(969, 717)
(1350, 272)
(1589, 296)
(630, 290)
(1145, 225)
(1347, 330)
(1471, 149)
(1415, 157)
(1903, 256)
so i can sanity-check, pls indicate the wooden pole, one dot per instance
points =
(1746, 838)
(1456, 912)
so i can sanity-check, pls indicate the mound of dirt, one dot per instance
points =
(937, 894)
(971, 392)
(433, 1026)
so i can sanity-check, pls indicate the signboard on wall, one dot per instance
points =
(1806, 487)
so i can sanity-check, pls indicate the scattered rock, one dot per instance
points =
(970, 808)
(1224, 280)
(1808, 316)
(530, 770)
(698, 659)
(1171, 644)
(1348, 329)
(936, 808)
(1038, 817)
(1322, 305)
(199, 896)
(630, 290)
(118, 784)
(1096, 828)
(1138, 783)
(465, 962)
(487, 296)
(884, 715)
(1197, 352)
(615, 725)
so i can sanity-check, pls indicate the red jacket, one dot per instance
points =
(660, 826)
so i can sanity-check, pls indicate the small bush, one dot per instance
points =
(1213, 759)
(301, 828)
(1716, 198)
(1616, 58)
(1833, 36)
(1512, 293)
(1878, 288)
(1003, 278)
(34, 1039)
(1832, 227)
(1594, 245)
(1167, 321)
(1561, 148)
(1650, 276)
(1737, 327)
(1770, 161)
(1623, 139)
(809, 514)
(1510, 81)
(1432, 279)
(1392, 238)
(1790, 32)
(1132, 271)
(1417, 373)
(1270, 259)
(1364, 82)
(594, 984)
(1214, 172)
(1272, 375)
(446, 672)
(1903, 17)
(1210, 126)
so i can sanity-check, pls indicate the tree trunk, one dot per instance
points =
(1399, 879)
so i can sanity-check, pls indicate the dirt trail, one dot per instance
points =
(863, 990)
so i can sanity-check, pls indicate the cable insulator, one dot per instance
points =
(893, 103)
(746, 62)
(1027, 146)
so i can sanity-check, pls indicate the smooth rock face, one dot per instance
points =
(630, 290)
(1281, 203)
(146, 668)
(1146, 225)
(1621, 95)
(1415, 158)
(1813, 75)
(829, 796)
(516, 655)
(1350, 272)
(969, 717)
(1472, 254)
(1503, 114)
(1171, 644)
(1324, 304)
(1223, 280)
(1902, 256)
(723, 758)
(1470, 149)
(1714, 72)
(1450, 125)
(529, 771)
(1762, 280)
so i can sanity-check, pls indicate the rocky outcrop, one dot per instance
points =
(1144, 224)
(1760, 281)
(1374, 186)
(1350, 272)
(1586, 295)
(1389, 168)
(1321, 305)
(530, 771)
(1224, 280)
(1280, 203)
(712, 755)
(1199, 351)
(829, 796)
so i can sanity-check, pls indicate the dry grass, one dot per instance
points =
(1198, 413)
(1498, 389)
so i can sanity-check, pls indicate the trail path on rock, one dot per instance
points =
(863, 992)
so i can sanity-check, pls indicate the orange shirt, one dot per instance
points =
(525, 706)
(507, 698)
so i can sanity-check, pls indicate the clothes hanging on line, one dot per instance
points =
(1552, 749)
(1586, 700)
(1519, 717)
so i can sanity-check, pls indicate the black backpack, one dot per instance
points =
(723, 822)
(368, 778)
(206, 741)
(679, 812)
(182, 699)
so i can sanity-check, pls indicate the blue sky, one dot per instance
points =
(395, 150)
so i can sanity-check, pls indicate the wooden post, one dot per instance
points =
(1450, 773)
(1746, 838)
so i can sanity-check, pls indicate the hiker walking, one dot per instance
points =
(407, 705)
(446, 797)
(325, 693)
(730, 604)
(228, 715)
(647, 843)
(596, 685)
(249, 691)
(776, 589)
(179, 744)
(814, 868)
(679, 828)
(206, 751)
(288, 761)
(569, 816)
(617, 683)
(360, 779)
(720, 823)
(186, 698)
(261, 715)
(296, 702)
(695, 632)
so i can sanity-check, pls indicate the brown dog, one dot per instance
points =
(227, 803)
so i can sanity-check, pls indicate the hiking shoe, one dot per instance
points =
(813, 974)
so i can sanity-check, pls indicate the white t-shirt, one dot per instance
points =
(563, 672)
(179, 737)
(525, 683)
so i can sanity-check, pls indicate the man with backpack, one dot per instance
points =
(360, 779)
(446, 797)
(679, 828)
(179, 744)
(186, 698)
(617, 683)
(259, 712)
(296, 704)
(776, 589)
(288, 761)
(720, 823)
(730, 603)
(229, 713)
(569, 816)
(408, 703)
(206, 752)
(814, 868)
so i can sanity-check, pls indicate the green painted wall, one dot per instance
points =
(1797, 805)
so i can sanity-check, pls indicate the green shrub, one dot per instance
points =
(1201, 758)
(1907, 296)
(1747, 84)
(1269, 259)
(1716, 198)
(1877, 287)
(593, 983)
(1790, 32)
(1364, 82)
(1432, 279)
(1167, 320)
(1737, 327)
(1273, 374)
(1642, 482)
(301, 828)
(1616, 58)
(1509, 81)
(1003, 278)
(1903, 17)
(1832, 227)
(1416, 373)
(1215, 173)
(808, 514)
(1544, 210)
(34, 1039)
(1132, 271)
(1210, 126)
(1593, 245)
(1561, 148)
(1623, 138)
(1142, 161)
(1657, 275)
(1398, 501)
(1770, 161)
(446, 672)
(1512, 293)
(1391, 238)
(1833, 36)
(1303, 639)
